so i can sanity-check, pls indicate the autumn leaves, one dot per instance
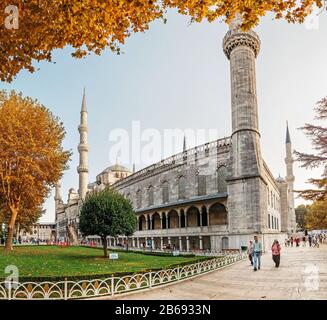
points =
(91, 26)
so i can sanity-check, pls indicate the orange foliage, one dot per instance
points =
(31, 156)
(93, 25)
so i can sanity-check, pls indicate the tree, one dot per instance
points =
(31, 157)
(301, 212)
(93, 25)
(318, 136)
(107, 213)
(317, 217)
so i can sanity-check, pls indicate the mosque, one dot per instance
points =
(214, 196)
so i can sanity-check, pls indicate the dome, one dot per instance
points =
(116, 168)
(280, 179)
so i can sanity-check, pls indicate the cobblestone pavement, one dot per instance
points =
(301, 275)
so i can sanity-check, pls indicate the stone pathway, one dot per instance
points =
(301, 275)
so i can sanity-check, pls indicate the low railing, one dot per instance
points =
(66, 290)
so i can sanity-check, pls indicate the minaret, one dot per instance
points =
(184, 144)
(57, 196)
(83, 149)
(246, 187)
(290, 181)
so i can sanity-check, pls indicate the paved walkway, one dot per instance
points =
(301, 275)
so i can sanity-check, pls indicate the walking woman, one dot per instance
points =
(250, 252)
(275, 248)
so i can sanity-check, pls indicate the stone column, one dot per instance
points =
(150, 222)
(185, 219)
(146, 241)
(180, 244)
(146, 222)
(187, 244)
(161, 223)
(138, 242)
(179, 220)
(167, 221)
(201, 242)
(161, 243)
(169, 240)
(152, 243)
(133, 242)
(200, 212)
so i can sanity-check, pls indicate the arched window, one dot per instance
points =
(181, 187)
(139, 198)
(165, 192)
(202, 185)
(221, 179)
(150, 196)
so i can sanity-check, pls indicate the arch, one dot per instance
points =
(181, 187)
(164, 221)
(218, 214)
(156, 221)
(182, 218)
(165, 192)
(142, 223)
(193, 217)
(221, 179)
(139, 198)
(173, 219)
(224, 243)
(150, 196)
(204, 215)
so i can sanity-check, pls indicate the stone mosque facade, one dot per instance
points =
(215, 196)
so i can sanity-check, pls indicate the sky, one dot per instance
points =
(175, 76)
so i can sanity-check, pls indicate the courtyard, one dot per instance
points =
(301, 275)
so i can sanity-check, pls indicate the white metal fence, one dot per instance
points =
(65, 290)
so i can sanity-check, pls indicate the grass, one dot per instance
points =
(37, 262)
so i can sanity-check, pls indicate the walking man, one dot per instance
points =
(257, 252)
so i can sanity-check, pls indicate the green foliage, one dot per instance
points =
(316, 218)
(107, 213)
(301, 212)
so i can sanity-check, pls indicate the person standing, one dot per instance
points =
(304, 241)
(250, 252)
(291, 241)
(257, 253)
(276, 248)
(310, 240)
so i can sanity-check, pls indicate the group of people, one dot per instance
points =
(255, 253)
(312, 240)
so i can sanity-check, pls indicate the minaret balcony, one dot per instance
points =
(237, 38)
(82, 128)
(82, 147)
(81, 169)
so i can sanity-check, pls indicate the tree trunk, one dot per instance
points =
(105, 247)
(11, 228)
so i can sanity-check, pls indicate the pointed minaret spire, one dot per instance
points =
(288, 137)
(84, 102)
(83, 148)
(184, 143)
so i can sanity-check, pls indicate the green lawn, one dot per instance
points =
(52, 261)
